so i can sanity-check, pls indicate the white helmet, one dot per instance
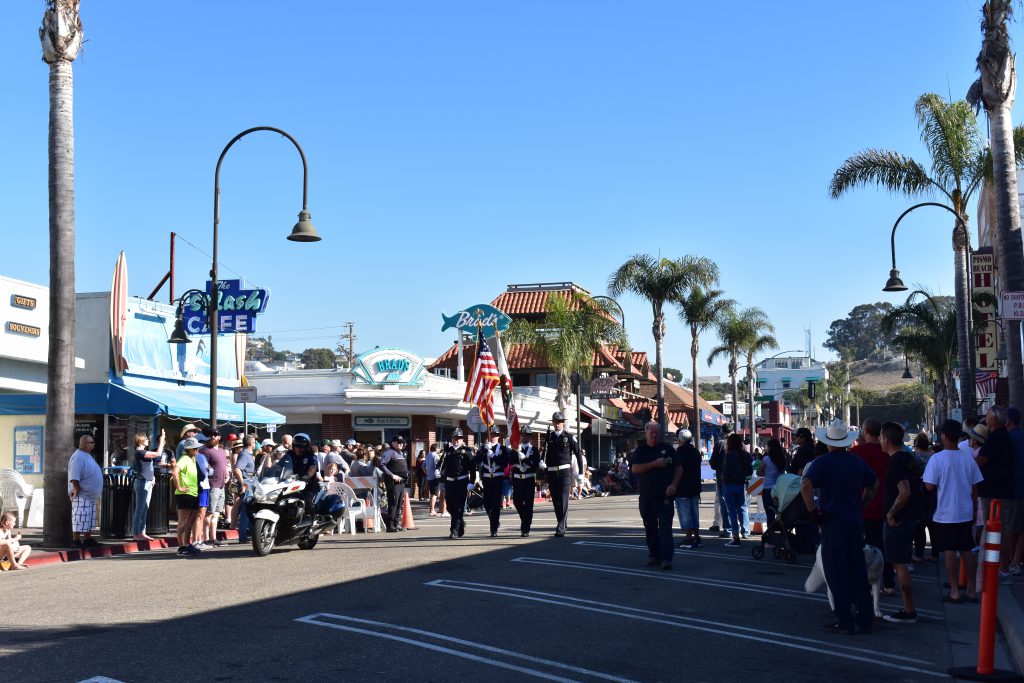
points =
(684, 435)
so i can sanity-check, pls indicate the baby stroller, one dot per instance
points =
(792, 531)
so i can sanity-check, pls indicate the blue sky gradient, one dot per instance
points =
(457, 147)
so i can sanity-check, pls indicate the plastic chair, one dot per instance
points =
(14, 493)
(353, 506)
(369, 487)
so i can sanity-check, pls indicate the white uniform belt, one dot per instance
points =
(555, 468)
(531, 475)
(493, 474)
(464, 476)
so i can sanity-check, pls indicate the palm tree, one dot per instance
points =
(61, 37)
(959, 165)
(573, 329)
(736, 332)
(995, 90)
(700, 309)
(762, 339)
(659, 281)
(927, 330)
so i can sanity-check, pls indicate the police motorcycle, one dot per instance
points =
(281, 514)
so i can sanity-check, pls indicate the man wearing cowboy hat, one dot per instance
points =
(845, 486)
(189, 431)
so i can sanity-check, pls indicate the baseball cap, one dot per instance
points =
(351, 442)
(200, 437)
(398, 438)
(267, 442)
(231, 438)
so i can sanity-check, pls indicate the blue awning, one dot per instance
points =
(142, 396)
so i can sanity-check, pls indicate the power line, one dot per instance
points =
(219, 263)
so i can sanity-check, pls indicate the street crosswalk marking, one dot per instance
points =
(717, 628)
(344, 623)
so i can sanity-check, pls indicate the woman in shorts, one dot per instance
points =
(186, 495)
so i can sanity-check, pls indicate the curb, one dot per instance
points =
(42, 558)
(1011, 620)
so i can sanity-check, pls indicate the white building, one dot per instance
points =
(776, 376)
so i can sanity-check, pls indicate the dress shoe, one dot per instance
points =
(494, 534)
(453, 535)
(525, 534)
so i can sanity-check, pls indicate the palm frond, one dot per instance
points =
(950, 132)
(883, 168)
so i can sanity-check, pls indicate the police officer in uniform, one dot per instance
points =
(458, 472)
(491, 460)
(560, 448)
(396, 474)
(525, 463)
(305, 467)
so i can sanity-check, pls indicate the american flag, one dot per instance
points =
(511, 416)
(483, 380)
(985, 381)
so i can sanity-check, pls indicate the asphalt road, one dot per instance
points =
(417, 606)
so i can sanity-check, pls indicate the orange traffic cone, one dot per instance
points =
(407, 520)
(368, 519)
(758, 528)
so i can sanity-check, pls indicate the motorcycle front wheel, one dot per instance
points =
(262, 537)
(308, 543)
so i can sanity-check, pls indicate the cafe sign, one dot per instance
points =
(389, 366)
(237, 309)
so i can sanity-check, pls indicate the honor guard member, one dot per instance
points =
(559, 450)
(491, 460)
(396, 473)
(457, 470)
(525, 463)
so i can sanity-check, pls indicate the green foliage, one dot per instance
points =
(673, 374)
(318, 359)
(859, 335)
(900, 404)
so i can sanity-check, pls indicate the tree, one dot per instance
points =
(859, 334)
(762, 338)
(959, 164)
(318, 359)
(658, 281)
(995, 89)
(673, 374)
(699, 310)
(61, 38)
(926, 327)
(736, 332)
(572, 330)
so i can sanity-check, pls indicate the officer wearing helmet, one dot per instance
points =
(300, 462)
(525, 463)
(491, 460)
(688, 489)
(560, 448)
(458, 472)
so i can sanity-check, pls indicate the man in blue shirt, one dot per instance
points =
(845, 486)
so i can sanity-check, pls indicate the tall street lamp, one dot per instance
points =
(963, 299)
(303, 231)
(751, 372)
(622, 324)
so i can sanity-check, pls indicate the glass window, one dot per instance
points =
(785, 384)
(549, 379)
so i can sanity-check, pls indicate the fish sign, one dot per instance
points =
(486, 316)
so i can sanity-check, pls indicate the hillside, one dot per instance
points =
(881, 376)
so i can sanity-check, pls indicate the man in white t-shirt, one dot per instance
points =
(85, 486)
(954, 476)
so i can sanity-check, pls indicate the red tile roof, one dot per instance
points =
(676, 397)
(526, 302)
(631, 408)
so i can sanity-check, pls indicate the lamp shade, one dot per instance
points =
(178, 336)
(894, 283)
(906, 374)
(304, 230)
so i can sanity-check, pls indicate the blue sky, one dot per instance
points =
(457, 147)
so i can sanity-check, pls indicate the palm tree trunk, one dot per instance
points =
(733, 365)
(659, 340)
(964, 347)
(60, 373)
(694, 350)
(1009, 251)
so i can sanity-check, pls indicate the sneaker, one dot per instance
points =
(195, 548)
(733, 544)
(697, 543)
(91, 543)
(1015, 570)
(220, 543)
(686, 545)
(714, 527)
(901, 617)
(183, 550)
(445, 514)
(725, 534)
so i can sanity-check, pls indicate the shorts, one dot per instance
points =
(204, 498)
(956, 537)
(83, 514)
(689, 512)
(897, 541)
(216, 501)
(1015, 523)
(433, 485)
(186, 502)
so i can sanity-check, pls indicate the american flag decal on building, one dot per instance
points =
(985, 381)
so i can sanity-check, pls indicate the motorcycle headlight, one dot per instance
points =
(263, 496)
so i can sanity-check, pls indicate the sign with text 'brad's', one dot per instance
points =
(237, 309)
(484, 316)
(389, 366)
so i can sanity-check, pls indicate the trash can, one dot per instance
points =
(159, 503)
(115, 509)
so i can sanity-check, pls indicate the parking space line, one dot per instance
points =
(316, 620)
(635, 546)
(821, 647)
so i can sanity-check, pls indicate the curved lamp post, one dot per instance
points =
(622, 317)
(751, 373)
(964, 315)
(303, 231)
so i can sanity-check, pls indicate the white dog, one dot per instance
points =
(872, 558)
